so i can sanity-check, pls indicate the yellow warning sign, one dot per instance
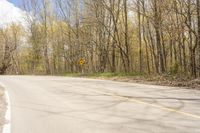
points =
(82, 62)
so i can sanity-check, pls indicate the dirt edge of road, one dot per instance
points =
(163, 80)
(2, 108)
(188, 84)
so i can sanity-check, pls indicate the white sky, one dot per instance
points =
(10, 14)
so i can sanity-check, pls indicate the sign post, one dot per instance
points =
(82, 62)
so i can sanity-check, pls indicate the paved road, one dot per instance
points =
(74, 105)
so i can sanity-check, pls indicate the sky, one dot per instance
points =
(9, 13)
(15, 2)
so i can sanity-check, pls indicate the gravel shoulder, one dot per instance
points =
(186, 83)
(2, 108)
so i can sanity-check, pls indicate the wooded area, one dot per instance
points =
(129, 36)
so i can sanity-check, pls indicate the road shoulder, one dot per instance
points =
(2, 108)
(162, 80)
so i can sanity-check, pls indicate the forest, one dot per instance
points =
(96, 36)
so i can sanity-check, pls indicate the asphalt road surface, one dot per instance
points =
(48, 104)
